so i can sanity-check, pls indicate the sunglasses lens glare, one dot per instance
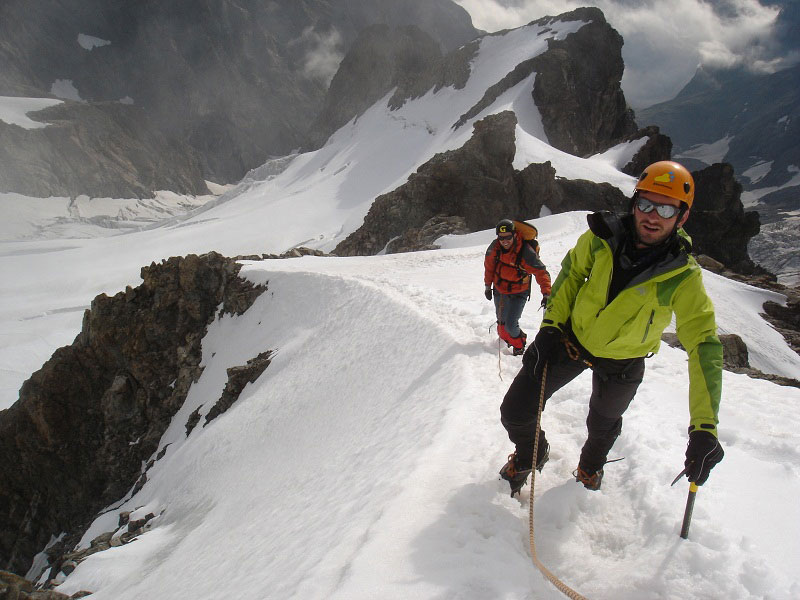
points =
(665, 211)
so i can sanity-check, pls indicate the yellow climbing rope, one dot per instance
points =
(562, 587)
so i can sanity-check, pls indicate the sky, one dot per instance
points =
(664, 42)
(363, 462)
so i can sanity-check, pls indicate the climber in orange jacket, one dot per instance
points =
(508, 266)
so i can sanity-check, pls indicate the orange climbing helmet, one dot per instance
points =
(668, 178)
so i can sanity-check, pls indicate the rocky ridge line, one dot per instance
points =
(87, 421)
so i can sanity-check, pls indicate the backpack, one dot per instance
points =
(528, 234)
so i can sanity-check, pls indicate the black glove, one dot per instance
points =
(544, 301)
(546, 343)
(488, 292)
(702, 453)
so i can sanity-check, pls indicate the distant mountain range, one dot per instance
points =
(235, 82)
(752, 121)
(748, 118)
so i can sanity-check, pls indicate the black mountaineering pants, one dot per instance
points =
(614, 384)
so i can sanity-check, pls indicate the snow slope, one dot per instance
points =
(363, 462)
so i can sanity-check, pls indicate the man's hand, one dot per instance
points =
(545, 298)
(702, 453)
(488, 292)
(546, 343)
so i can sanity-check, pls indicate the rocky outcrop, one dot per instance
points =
(657, 147)
(472, 182)
(577, 88)
(14, 587)
(87, 421)
(422, 238)
(735, 358)
(786, 319)
(64, 560)
(102, 150)
(718, 223)
(477, 183)
(238, 377)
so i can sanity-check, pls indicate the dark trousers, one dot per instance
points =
(614, 384)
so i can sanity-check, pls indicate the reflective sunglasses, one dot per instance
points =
(665, 211)
(505, 237)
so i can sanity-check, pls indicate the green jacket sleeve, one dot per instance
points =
(697, 332)
(575, 268)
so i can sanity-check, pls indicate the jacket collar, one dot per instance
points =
(617, 231)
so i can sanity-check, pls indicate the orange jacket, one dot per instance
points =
(511, 271)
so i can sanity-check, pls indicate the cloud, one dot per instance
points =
(664, 42)
(323, 54)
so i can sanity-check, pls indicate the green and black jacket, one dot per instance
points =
(632, 323)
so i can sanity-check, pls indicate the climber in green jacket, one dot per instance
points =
(616, 293)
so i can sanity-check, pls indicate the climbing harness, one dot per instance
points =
(560, 585)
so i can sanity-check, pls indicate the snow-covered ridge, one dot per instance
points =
(363, 461)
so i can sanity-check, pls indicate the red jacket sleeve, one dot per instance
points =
(490, 263)
(532, 264)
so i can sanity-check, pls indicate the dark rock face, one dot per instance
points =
(381, 58)
(238, 377)
(89, 418)
(735, 358)
(422, 239)
(477, 183)
(657, 147)
(238, 81)
(102, 150)
(472, 182)
(734, 350)
(577, 87)
(786, 319)
(718, 224)
(14, 587)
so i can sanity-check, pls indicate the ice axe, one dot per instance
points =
(687, 513)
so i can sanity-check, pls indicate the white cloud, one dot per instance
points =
(664, 43)
(323, 55)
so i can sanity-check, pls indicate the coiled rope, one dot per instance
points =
(562, 587)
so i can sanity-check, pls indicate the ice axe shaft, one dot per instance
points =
(687, 514)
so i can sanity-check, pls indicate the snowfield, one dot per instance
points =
(363, 462)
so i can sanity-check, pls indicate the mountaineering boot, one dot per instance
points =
(590, 482)
(518, 343)
(516, 473)
(544, 456)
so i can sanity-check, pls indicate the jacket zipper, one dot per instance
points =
(650, 322)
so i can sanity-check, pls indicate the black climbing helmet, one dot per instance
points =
(505, 226)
